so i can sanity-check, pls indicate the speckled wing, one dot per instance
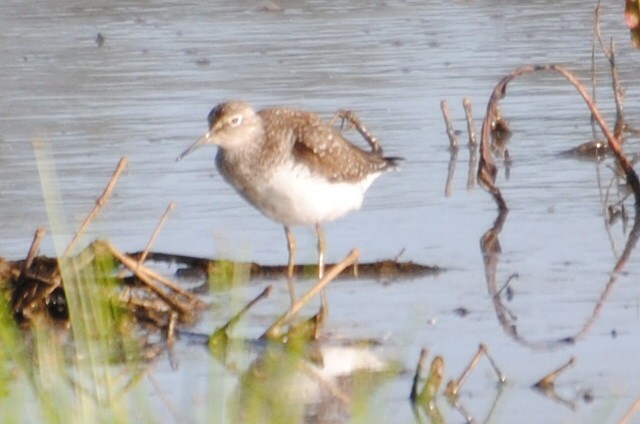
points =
(319, 146)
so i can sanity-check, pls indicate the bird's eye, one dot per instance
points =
(235, 120)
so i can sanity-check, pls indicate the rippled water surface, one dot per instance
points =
(146, 92)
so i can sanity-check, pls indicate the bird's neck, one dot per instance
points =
(244, 157)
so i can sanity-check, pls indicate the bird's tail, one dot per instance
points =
(392, 162)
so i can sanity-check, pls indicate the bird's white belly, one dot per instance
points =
(295, 196)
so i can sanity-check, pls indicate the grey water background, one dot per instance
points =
(146, 93)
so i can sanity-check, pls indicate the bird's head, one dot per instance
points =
(232, 125)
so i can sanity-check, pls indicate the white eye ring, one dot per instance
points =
(236, 120)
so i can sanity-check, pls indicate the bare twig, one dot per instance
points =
(149, 278)
(618, 92)
(263, 294)
(102, 200)
(596, 32)
(515, 275)
(486, 168)
(155, 233)
(453, 387)
(451, 132)
(471, 128)
(33, 250)
(548, 380)
(631, 412)
(275, 329)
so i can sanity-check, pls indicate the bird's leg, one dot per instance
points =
(353, 120)
(321, 251)
(343, 116)
(291, 247)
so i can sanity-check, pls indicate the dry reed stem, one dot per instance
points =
(549, 380)
(471, 128)
(155, 233)
(263, 295)
(33, 250)
(275, 329)
(147, 276)
(631, 412)
(489, 242)
(615, 81)
(160, 278)
(451, 132)
(487, 170)
(453, 387)
(102, 200)
(618, 94)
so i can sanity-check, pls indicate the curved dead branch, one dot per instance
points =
(490, 244)
(487, 170)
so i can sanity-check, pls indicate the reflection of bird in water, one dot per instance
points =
(292, 166)
(310, 382)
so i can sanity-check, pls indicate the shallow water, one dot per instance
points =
(146, 94)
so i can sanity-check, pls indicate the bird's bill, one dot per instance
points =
(205, 139)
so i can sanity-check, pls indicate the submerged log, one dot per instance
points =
(35, 287)
(387, 269)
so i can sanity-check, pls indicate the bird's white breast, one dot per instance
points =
(293, 195)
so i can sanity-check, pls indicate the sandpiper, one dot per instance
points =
(292, 166)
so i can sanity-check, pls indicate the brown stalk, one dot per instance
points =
(453, 387)
(547, 382)
(102, 200)
(155, 233)
(131, 263)
(33, 250)
(263, 295)
(451, 132)
(149, 278)
(471, 128)
(487, 169)
(631, 412)
(609, 53)
(276, 328)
